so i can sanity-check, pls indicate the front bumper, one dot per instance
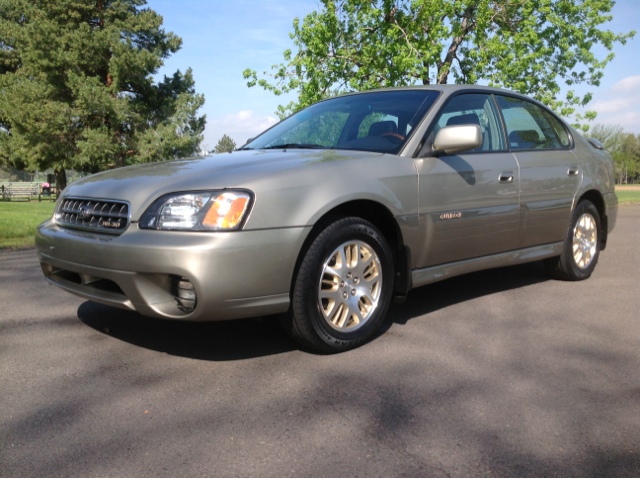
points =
(234, 274)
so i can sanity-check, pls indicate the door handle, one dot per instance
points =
(573, 170)
(506, 177)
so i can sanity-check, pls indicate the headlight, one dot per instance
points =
(198, 211)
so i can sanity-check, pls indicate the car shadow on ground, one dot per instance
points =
(440, 295)
(257, 337)
(212, 341)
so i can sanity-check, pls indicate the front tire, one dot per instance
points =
(581, 247)
(342, 289)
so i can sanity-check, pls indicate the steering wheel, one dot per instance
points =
(395, 135)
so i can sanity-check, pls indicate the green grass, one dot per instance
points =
(18, 221)
(628, 197)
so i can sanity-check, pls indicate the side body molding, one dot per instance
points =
(430, 275)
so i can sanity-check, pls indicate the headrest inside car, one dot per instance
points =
(468, 119)
(382, 127)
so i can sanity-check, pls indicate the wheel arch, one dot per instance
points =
(382, 218)
(598, 200)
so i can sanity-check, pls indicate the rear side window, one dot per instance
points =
(474, 109)
(530, 127)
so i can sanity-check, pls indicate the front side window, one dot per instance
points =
(377, 121)
(474, 109)
(530, 127)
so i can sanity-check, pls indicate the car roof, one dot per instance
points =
(437, 87)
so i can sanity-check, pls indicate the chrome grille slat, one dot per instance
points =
(115, 215)
(104, 216)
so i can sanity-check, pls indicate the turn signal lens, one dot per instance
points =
(226, 211)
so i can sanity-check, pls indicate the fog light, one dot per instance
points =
(185, 294)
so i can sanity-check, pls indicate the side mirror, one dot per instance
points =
(457, 138)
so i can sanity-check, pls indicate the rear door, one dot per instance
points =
(468, 203)
(549, 172)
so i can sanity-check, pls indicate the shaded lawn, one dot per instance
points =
(18, 221)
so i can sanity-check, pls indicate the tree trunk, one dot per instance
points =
(444, 67)
(61, 180)
(426, 80)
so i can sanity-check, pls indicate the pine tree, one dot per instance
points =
(225, 145)
(9, 62)
(77, 91)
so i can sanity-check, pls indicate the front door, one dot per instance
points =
(468, 203)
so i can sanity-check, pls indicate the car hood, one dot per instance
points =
(140, 185)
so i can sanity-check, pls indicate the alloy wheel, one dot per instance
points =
(585, 240)
(350, 286)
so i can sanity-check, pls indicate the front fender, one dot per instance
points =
(301, 196)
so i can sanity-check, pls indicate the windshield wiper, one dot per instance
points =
(295, 145)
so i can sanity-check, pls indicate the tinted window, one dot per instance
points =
(474, 109)
(531, 127)
(558, 129)
(378, 121)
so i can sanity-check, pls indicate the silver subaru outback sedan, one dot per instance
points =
(331, 214)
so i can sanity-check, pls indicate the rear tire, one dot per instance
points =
(342, 289)
(581, 248)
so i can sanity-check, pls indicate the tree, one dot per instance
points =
(608, 135)
(9, 63)
(225, 145)
(624, 148)
(627, 158)
(530, 46)
(77, 91)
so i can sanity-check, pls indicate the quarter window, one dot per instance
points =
(474, 109)
(530, 127)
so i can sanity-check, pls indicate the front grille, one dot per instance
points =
(105, 216)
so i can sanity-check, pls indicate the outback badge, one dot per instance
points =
(451, 216)
(111, 224)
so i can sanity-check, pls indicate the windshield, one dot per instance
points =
(377, 121)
